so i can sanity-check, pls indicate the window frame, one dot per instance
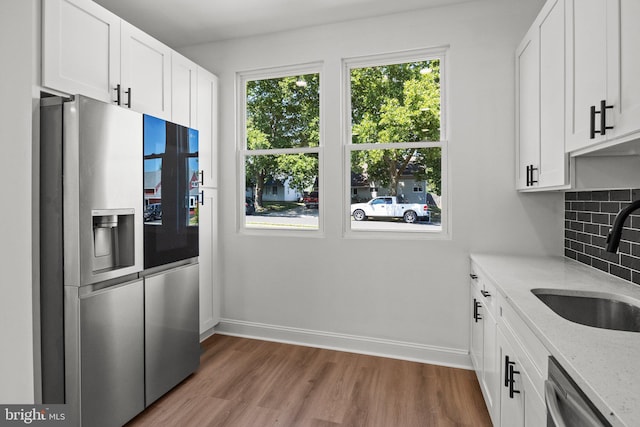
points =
(401, 57)
(242, 152)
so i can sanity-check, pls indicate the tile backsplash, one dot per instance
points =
(588, 217)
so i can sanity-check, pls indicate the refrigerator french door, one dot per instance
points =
(171, 192)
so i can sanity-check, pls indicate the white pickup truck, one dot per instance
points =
(388, 207)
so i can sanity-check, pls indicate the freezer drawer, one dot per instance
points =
(172, 337)
(112, 355)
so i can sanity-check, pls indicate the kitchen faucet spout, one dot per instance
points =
(613, 238)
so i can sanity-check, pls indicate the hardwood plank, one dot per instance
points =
(246, 383)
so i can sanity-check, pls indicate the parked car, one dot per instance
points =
(153, 212)
(388, 207)
(249, 206)
(310, 200)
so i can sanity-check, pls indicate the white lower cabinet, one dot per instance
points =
(510, 362)
(520, 403)
(209, 285)
(483, 342)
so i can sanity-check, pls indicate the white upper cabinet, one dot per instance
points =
(146, 73)
(540, 107)
(207, 125)
(586, 70)
(183, 90)
(603, 91)
(81, 48)
(88, 50)
(626, 81)
(528, 108)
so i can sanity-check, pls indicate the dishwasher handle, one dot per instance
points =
(553, 407)
(552, 393)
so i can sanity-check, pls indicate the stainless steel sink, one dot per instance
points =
(597, 309)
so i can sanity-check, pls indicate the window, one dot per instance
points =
(280, 148)
(396, 142)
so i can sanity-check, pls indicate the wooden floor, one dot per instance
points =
(252, 383)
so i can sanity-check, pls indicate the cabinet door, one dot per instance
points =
(491, 367)
(80, 48)
(209, 285)
(207, 125)
(624, 84)
(183, 90)
(476, 345)
(528, 108)
(512, 395)
(553, 160)
(146, 73)
(586, 33)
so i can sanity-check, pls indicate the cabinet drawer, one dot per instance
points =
(531, 352)
(486, 288)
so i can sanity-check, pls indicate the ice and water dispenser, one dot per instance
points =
(113, 239)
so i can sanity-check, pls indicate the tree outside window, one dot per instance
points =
(395, 142)
(282, 137)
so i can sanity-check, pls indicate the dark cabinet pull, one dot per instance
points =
(507, 365)
(118, 90)
(485, 293)
(201, 197)
(592, 122)
(201, 177)
(476, 314)
(531, 180)
(128, 92)
(603, 119)
(512, 381)
(473, 276)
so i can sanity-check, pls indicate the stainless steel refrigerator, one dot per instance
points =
(96, 333)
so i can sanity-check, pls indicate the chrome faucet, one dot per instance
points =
(613, 238)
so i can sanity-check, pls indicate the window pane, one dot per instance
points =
(396, 103)
(281, 191)
(413, 176)
(283, 112)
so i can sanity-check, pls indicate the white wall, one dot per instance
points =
(17, 40)
(315, 290)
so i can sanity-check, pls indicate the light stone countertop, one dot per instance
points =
(605, 364)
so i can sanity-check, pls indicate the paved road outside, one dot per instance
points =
(307, 219)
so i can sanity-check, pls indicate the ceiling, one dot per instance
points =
(179, 23)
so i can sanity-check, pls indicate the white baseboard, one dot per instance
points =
(452, 357)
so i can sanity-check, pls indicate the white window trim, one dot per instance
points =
(417, 55)
(242, 152)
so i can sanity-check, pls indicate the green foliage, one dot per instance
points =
(391, 104)
(281, 113)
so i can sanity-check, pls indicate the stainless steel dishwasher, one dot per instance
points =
(567, 406)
